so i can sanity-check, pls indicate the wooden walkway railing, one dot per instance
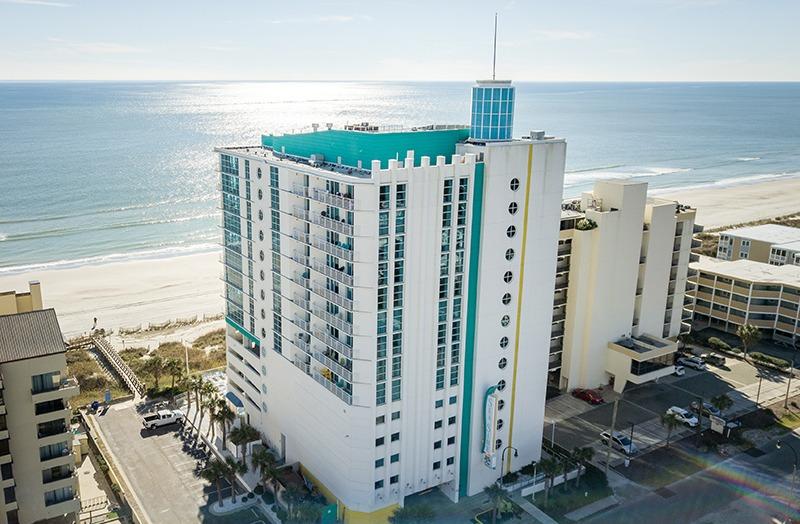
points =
(122, 369)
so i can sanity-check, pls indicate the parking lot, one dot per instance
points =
(640, 407)
(160, 466)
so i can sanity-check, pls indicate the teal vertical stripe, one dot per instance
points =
(241, 330)
(469, 350)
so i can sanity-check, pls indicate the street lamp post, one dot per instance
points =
(778, 445)
(791, 374)
(502, 460)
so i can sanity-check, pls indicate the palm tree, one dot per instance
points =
(243, 435)
(582, 456)
(306, 512)
(565, 462)
(155, 366)
(206, 391)
(174, 368)
(669, 421)
(292, 495)
(748, 334)
(721, 402)
(497, 496)
(234, 467)
(223, 415)
(211, 405)
(193, 384)
(549, 467)
(267, 466)
(216, 472)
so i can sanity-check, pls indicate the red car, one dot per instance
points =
(589, 395)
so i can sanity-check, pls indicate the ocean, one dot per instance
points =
(92, 172)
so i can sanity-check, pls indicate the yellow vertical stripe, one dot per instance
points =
(519, 302)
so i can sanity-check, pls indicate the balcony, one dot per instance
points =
(334, 320)
(302, 365)
(300, 236)
(333, 365)
(64, 473)
(561, 283)
(326, 197)
(58, 458)
(67, 388)
(332, 296)
(643, 347)
(301, 344)
(334, 343)
(57, 507)
(301, 322)
(333, 388)
(342, 251)
(301, 279)
(336, 274)
(338, 225)
(300, 302)
(50, 429)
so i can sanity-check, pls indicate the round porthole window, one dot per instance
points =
(503, 363)
(509, 254)
(260, 215)
(501, 385)
(506, 320)
(263, 295)
(512, 208)
(261, 255)
(263, 314)
(260, 194)
(499, 424)
(507, 277)
(511, 231)
(504, 342)
(506, 299)
(514, 185)
(498, 444)
(260, 235)
(261, 274)
(259, 173)
(500, 404)
(263, 333)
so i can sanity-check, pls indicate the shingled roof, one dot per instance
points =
(30, 335)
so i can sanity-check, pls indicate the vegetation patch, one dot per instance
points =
(763, 358)
(568, 497)
(92, 379)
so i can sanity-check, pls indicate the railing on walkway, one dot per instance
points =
(122, 369)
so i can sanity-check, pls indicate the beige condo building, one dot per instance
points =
(622, 268)
(37, 466)
(732, 293)
(769, 243)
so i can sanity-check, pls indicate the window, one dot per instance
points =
(395, 437)
(438, 404)
(451, 420)
(401, 196)
(463, 189)
(396, 415)
(503, 363)
(437, 444)
(378, 484)
(380, 420)
(379, 463)
(506, 299)
(379, 441)
(514, 184)
(450, 461)
(505, 320)
(437, 464)
(508, 277)
(394, 458)
(448, 191)
(452, 400)
(498, 444)
(500, 404)
(511, 231)
(451, 441)
(437, 424)
(384, 196)
(503, 342)
(512, 208)
(501, 385)
(499, 424)
(258, 173)
(394, 479)
(260, 194)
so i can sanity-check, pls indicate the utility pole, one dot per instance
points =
(791, 374)
(760, 378)
(700, 410)
(611, 436)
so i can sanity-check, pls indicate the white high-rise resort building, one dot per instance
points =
(389, 300)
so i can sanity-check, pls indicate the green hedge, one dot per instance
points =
(717, 343)
(769, 359)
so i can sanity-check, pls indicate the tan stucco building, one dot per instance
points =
(732, 293)
(37, 466)
(619, 295)
(769, 243)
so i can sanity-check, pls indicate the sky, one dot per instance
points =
(554, 40)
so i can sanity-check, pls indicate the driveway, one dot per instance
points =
(159, 465)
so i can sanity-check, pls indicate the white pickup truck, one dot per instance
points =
(162, 417)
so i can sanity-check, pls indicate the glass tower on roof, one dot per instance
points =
(492, 110)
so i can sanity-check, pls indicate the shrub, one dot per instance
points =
(585, 224)
(769, 359)
(510, 477)
(528, 469)
(717, 343)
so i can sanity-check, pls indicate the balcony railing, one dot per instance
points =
(334, 343)
(300, 301)
(332, 296)
(65, 383)
(299, 257)
(332, 249)
(333, 388)
(339, 276)
(339, 226)
(334, 320)
(301, 322)
(321, 195)
(301, 279)
(61, 475)
(299, 236)
(334, 366)
(303, 345)
(49, 431)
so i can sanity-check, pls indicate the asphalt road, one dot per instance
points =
(744, 489)
(158, 464)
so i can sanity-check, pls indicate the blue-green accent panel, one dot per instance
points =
(469, 350)
(241, 330)
(353, 146)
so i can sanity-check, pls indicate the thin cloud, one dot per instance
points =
(44, 3)
(337, 19)
(563, 35)
(97, 48)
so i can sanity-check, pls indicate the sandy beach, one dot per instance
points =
(136, 292)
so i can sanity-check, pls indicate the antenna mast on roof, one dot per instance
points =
(494, 49)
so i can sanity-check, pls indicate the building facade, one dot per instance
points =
(622, 267)
(382, 299)
(732, 293)
(768, 243)
(37, 464)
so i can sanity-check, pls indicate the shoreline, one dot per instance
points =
(141, 290)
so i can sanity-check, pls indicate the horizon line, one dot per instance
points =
(286, 80)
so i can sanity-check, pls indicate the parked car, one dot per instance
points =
(679, 371)
(162, 417)
(692, 362)
(589, 395)
(714, 360)
(708, 408)
(620, 442)
(684, 416)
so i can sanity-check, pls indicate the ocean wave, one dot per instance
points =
(65, 231)
(589, 175)
(167, 252)
(728, 182)
(748, 158)
(121, 209)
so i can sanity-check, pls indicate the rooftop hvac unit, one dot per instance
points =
(537, 135)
